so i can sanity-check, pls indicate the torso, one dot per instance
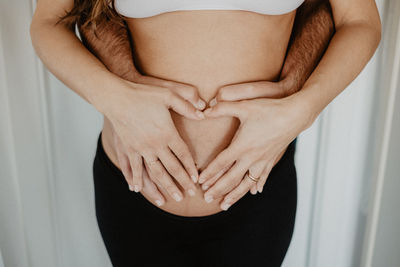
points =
(207, 49)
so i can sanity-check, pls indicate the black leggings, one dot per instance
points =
(255, 231)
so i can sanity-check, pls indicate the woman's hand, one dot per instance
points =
(141, 119)
(252, 90)
(128, 168)
(267, 127)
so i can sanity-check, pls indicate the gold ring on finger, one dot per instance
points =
(252, 177)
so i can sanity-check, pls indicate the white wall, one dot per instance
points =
(47, 143)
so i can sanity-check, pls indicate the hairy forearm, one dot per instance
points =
(313, 29)
(110, 43)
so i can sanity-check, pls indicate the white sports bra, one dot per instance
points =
(148, 8)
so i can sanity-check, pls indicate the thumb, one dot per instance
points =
(183, 107)
(186, 91)
(250, 90)
(233, 109)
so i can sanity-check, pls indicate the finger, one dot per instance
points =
(264, 176)
(224, 159)
(176, 170)
(187, 92)
(136, 164)
(237, 193)
(232, 109)
(253, 189)
(158, 173)
(150, 189)
(227, 182)
(124, 164)
(211, 181)
(255, 171)
(182, 152)
(183, 107)
(249, 90)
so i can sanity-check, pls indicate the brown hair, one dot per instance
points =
(90, 12)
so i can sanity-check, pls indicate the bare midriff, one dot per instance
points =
(207, 49)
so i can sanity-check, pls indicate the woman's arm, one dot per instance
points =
(358, 33)
(65, 56)
(137, 111)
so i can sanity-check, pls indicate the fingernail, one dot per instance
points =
(191, 192)
(200, 114)
(204, 187)
(208, 199)
(159, 202)
(194, 179)
(201, 104)
(177, 197)
(136, 188)
(202, 179)
(225, 206)
(130, 187)
(213, 102)
(260, 190)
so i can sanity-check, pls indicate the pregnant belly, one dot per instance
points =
(207, 49)
(205, 140)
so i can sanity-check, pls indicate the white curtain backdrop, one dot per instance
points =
(47, 143)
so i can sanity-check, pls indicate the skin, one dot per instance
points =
(110, 43)
(357, 25)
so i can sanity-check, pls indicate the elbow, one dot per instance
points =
(374, 26)
(35, 30)
(373, 36)
(377, 34)
(375, 29)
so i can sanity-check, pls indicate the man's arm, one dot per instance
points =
(313, 29)
(110, 43)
